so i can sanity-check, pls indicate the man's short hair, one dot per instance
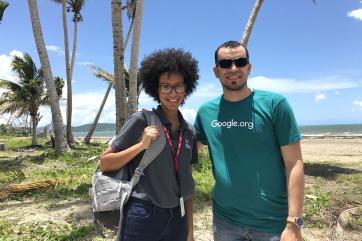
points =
(230, 44)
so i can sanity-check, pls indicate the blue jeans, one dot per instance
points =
(143, 221)
(224, 231)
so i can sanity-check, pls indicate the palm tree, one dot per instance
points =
(251, 21)
(104, 75)
(118, 59)
(60, 142)
(138, 12)
(3, 5)
(74, 6)
(249, 25)
(28, 95)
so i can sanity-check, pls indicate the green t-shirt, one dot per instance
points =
(244, 140)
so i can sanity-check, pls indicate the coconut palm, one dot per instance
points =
(74, 6)
(118, 60)
(249, 25)
(26, 96)
(104, 75)
(137, 15)
(60, 142)
(251, 21)
(3, 5)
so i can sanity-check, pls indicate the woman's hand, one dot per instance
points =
(150, 133)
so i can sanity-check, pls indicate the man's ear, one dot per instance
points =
(216, 71)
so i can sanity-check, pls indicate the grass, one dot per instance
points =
(331, 188)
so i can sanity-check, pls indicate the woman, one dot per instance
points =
(160, 207)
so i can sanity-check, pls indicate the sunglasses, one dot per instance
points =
(227, 63)
(167, 89)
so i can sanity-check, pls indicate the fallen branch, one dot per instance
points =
(16, 188)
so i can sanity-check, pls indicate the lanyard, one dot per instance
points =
(174, 155)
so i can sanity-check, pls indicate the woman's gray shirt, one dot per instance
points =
(159, 183)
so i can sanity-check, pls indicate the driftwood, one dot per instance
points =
(16, 188)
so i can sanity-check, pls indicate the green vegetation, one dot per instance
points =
(330, 189)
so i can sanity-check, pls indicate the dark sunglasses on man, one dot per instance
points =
(227, 63)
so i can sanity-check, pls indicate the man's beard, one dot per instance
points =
(234, 87)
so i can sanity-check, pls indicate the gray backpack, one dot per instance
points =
(110, 191)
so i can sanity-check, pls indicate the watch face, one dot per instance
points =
(299, 221)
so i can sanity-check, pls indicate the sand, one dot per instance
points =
(332, 150)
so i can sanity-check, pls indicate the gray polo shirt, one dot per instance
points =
(159, 184)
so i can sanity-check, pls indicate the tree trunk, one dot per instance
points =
(60, 143)
(251, 21)
(132, 98)
(34, 123)
(94, 125)
(118, 58)
(68, 69)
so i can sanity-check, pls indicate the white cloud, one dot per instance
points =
(336, 92)
(85, 108)
(358, 104)
(189, 114)
(85, 63)
(319, 96)
(357, 14)
(55, 49)
(207, 91)
(5, 65)
(292, 85)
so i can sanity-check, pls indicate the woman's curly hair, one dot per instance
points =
(170, 60)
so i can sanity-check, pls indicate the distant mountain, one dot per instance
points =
(101, 127)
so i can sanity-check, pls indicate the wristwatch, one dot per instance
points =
(297, 221)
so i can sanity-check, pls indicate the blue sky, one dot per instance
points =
(311, 54)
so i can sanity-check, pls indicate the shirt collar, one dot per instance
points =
(165, 121)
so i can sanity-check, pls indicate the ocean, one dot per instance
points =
(320, 130)
(355, 129)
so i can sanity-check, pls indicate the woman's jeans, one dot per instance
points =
(224, 231)
(143, 221)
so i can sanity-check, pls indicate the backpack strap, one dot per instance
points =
(150, 154)
(153, 150)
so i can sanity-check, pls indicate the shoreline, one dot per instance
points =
(331, 136)
(304, 136)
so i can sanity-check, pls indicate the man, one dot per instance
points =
(253, 143)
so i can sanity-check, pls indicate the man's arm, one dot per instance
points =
(294, 171)
(200, 146)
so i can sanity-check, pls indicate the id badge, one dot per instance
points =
(182, 206)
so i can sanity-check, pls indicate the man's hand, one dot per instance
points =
(291, 233)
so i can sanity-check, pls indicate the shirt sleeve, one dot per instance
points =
(285, 125)
(131, 132)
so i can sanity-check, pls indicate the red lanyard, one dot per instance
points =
(174, 155)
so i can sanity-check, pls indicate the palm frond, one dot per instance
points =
(130, 8)
(101, 73)
(3, 5)
(75, 6)
(9, 85)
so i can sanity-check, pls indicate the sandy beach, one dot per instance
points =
(346, 149)
(332, 150)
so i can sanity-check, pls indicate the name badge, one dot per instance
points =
(182, 206)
